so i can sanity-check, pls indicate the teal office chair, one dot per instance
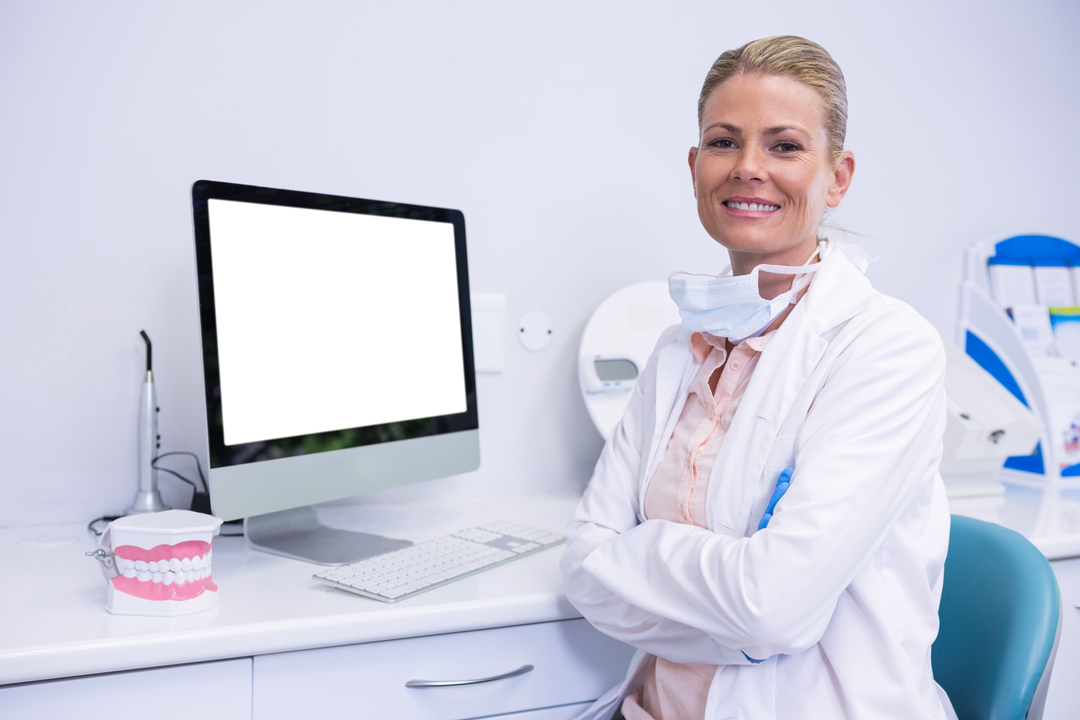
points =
(1000, 624)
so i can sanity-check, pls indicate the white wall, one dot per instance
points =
(559, 128)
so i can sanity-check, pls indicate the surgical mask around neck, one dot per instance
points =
(731, 307)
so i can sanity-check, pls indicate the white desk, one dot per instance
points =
(277, 633)
(54, 626)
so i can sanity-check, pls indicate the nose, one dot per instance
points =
(750, 164)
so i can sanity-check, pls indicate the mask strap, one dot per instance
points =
(803, 269)
(802, 273)
(793, 269)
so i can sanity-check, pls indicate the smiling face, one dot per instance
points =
(763, 172)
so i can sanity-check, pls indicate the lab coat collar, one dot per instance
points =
(838, 291)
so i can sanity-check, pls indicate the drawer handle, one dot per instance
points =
(448, 683)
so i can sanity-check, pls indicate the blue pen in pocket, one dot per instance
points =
(782, 484)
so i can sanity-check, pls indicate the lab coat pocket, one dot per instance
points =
(781, 455)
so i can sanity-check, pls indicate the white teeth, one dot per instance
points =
(753, 207)
(167, 571)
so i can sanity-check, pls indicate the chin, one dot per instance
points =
(745, 242)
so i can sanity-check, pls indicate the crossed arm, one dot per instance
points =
(871, 439)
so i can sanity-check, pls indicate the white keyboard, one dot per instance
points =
(425, 566)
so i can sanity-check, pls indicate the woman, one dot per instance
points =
(830, 610)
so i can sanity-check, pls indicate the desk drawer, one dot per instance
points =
(169, 693)
(572, 663)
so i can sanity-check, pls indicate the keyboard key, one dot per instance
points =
(525, 548)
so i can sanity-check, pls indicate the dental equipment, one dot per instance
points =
(159, 563)
(147, 498)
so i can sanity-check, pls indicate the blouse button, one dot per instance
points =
(735, 366)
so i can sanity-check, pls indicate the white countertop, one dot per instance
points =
(1048, 516)
(55, 624)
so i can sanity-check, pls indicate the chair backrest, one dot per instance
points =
(1000, 621)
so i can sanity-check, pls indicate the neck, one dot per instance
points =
(772, 284)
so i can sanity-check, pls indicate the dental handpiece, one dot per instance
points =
(147, 498)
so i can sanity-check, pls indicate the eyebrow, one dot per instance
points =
(779, 129)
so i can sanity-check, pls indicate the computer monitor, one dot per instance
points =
(337, 357)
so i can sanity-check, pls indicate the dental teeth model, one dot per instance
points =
(159, 563)
(190, 576)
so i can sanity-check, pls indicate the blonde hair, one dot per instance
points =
(793, 57)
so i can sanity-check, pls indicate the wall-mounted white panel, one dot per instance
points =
(489, 331)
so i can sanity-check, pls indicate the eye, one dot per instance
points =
(723, 143)
(788, 147)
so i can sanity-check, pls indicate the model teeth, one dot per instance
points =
(166, 571)
(752, 207)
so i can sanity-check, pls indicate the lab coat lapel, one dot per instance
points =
(838, 291)
(781, 372)
(675, 370)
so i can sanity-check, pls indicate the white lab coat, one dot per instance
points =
(839, 595)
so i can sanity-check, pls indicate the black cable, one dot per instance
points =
(153, 463)
(235, 524)
(103, 518)
(173, 472)
(198, 465)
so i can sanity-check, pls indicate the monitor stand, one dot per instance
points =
(298, 534)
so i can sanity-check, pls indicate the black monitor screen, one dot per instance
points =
(329, 322)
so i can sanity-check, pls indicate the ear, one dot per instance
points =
(842, 173)
(693, 169)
